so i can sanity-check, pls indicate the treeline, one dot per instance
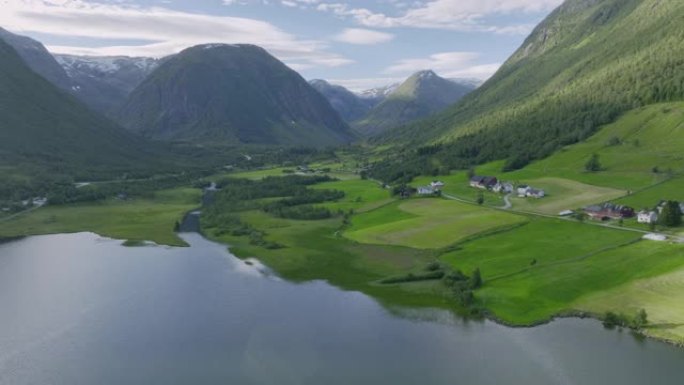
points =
(300, 205)
(65, 191)
(294, 201)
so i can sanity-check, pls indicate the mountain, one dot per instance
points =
(375, 96)
(585, 65)
(235, 94)
(41, 124)
(37, 57)
(421, 95)
(349, 105)
(104, 83)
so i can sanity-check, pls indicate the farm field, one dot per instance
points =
(360, 195)
(457, 185)
(540, 292)
(134, 220)
(563, 194)
(661, 296)
(535, 245)
(672, 189)
(429, 223)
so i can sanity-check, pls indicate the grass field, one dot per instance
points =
(429, 223)
(648, 137)
(313, 250)
(135, 220)
(457, 185)
(672, 189)
(661, 296)
(360, 195)
(563, 194)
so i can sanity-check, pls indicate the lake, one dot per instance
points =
(82, 309)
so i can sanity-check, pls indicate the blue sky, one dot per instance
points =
(359, 44)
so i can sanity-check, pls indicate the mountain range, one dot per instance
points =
(422, 94)
(41, 124)
(104, 83)
(379, 109)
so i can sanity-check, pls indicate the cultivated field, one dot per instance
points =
(426, 223)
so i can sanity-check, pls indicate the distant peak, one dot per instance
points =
(210, 46)
(318, 82)
(425, 74)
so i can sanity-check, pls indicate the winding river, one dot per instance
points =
(82, 309)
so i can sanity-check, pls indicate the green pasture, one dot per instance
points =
(428, 223)
(134, 220)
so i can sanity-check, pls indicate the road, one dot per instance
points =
(509, 208)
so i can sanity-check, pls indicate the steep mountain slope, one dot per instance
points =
(104, 83)
(37, 57)
(40, 124)
(231, 93)
(349, 105)
(422, 94)
(587, 63)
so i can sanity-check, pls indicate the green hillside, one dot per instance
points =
(234, 94)
(43, 126)
(421, 95)
(585, 65)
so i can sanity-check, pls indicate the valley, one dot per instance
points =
(247, 210)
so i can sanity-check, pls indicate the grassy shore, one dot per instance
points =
(135, 220)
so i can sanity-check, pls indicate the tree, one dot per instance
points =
(593, 164)
(671, 215)
(480, 198)
(476, 279)
(641, 319)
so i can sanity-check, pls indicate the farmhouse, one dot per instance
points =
(427, 190)
(437, 184)
(483, 182)
(535, 193)
(646, 216)
(608, 211)
(522, 190)
(503, 188)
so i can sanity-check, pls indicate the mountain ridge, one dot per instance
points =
(235, 93)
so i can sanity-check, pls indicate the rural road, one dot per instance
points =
(508, 207)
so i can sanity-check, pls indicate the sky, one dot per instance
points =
(358, 44)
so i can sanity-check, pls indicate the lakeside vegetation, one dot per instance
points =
(333, 224)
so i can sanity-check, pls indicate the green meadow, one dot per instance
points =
(628, 150)
(428, 223)
(135, 220)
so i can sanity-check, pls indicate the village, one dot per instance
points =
(601, 212)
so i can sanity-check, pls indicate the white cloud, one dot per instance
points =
(447, 64)
(163, 30)
(466, 15)
(363, 36)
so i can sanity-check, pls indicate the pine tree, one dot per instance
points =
(671, 215)
(593, 164)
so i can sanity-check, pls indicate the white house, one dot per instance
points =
(534, 193)
(426, 190)
(647, 216)
(522, 190)
(437, 184)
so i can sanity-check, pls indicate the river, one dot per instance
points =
(82, 309)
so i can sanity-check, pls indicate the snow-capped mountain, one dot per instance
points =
(105, 82)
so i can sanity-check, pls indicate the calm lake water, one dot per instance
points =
(81, 309)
